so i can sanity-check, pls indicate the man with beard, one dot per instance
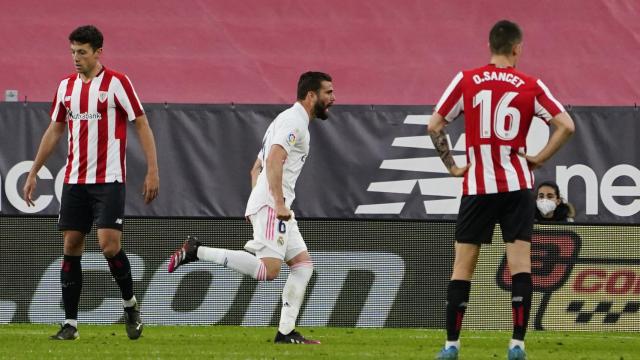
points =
(276, 237)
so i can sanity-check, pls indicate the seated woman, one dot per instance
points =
(550, 206)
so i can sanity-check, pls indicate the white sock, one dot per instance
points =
(129, 303)
(240, 261)
(293, 295)
(449, 344)
(72, 322)
(513, 343)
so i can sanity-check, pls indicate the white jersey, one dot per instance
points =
(290, 129)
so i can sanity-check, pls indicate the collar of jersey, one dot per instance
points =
(95, 77)
(494, 66)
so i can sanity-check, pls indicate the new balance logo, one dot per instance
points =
(444, 191)
(119, 221)
(448, 189)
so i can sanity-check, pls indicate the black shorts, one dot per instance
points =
(83, 204)
(478, 214)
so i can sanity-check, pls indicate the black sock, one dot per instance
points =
(121, 272)
(71, 282)
(457, 299)
(521, 291)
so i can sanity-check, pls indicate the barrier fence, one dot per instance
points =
(367, 274)
(371, 162)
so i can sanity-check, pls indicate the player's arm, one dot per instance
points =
(47, 144)
(436, 126)
(563, 129)
(275, 165)
(256, 169)
(152, 179)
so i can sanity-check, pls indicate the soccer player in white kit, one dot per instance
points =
(276, 237)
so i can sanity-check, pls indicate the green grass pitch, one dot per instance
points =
(25, 341)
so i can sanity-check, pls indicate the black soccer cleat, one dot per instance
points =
(133, 322)
(66, 332)
(293, 337)
(186, 254)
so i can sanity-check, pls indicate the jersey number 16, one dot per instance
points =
(501, 114)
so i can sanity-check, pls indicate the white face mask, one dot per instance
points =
(546, 206)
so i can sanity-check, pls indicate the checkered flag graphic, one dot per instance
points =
(606, 308)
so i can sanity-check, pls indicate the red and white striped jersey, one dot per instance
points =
(499, 105)
(96, 113)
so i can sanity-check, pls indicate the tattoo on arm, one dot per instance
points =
(442, 146)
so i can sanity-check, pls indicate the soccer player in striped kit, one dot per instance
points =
(499, 103)
(95, 103)
(276, 238)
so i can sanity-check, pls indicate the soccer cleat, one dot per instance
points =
(133, 322)
(293, 337)
(66, 332)
(450, 353)
(516, 353)
(186, 254)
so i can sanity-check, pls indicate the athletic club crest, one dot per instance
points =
(102, 96)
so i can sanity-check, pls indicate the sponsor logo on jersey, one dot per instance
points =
(84, 116)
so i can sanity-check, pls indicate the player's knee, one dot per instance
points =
(309, 265)
(520, 267)
(110, 249)
(73, 245)
(306, 265)
(272, 273)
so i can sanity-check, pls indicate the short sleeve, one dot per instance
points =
(127, 97)
(58, 112)
(545, 105)
(451, 103)
(288, 133)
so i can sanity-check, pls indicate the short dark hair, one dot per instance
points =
(87, 34)
(504, 36)
(550, 184)
(311, 81)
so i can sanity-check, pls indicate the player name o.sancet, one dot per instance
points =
(499, 76)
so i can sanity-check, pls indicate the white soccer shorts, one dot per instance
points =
(274, 238)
